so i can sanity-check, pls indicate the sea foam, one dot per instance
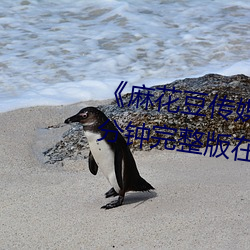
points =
(63, 52)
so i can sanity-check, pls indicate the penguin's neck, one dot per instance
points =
(92, 136)
(90, 128)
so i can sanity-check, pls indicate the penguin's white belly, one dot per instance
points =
(104, 157)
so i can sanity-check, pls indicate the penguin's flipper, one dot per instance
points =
(93, 167)
(113, 204)
(118, 166)
(111, 193)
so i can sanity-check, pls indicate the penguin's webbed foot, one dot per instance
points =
(113, 204)
(111, 193)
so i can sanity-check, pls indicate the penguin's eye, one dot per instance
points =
(84, 115)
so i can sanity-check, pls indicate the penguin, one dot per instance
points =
(111, 154)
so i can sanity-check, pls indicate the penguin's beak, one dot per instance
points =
(74, 118)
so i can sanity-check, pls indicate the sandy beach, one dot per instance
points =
(198, 203)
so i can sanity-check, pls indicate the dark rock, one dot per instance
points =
(235, 88)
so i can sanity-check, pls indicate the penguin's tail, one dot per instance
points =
(141, 185)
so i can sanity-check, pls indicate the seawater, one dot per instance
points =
(61, 52)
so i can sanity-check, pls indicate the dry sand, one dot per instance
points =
(199, 202)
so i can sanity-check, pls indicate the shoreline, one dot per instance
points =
(199, 202)
(148, 83)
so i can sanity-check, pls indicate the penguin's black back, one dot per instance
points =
(132, 179)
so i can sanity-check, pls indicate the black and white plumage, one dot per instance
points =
(113, 158)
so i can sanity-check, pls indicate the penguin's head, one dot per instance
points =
(88, 117)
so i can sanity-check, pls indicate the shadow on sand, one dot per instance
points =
(138, 198)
